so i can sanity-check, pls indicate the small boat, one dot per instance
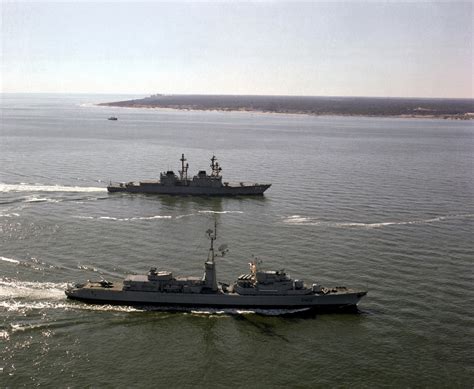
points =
(112, 118)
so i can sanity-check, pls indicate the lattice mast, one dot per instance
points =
(215, 167)
(183, 173)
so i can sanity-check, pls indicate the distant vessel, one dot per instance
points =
(112, 118)
(200, 185)
(257, 289)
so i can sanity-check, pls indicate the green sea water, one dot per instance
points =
(383, 204)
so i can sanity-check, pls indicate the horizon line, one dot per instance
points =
(235, 95)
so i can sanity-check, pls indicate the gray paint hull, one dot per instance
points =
(246, 190)
(219, 300)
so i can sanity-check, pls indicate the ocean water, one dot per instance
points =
(384, 204)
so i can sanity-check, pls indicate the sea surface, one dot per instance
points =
(378, 203)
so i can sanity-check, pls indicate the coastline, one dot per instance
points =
(466, 116)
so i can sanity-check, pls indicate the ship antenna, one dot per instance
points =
(215, 168)
(212, 236)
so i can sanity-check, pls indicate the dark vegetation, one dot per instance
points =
(350, 106)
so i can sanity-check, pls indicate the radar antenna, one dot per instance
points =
(215, 167)
(254, 265)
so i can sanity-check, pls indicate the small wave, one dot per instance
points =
(88, 268)
(11, 260)
(13, 214)
(219, 212)
(186, 215)
(154, 217)
(26, 327)
(309, 221)
(33, 263)
(23, 187)
(151, 217)
(4, 335)
(297, 219)
(34, 199)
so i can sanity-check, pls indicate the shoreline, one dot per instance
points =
(316, 114)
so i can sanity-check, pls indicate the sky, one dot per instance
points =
(334, 48)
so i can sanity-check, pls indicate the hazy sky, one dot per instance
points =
(419, 49)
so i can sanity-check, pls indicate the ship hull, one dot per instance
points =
(156, 188)
(336, 301)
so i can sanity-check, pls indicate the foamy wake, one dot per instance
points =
(48, 188)
(20, 306)
(24, 295)
(155, 217)
(310, 221)
(124, 219)
(234, 312)
(37, 199)
(22, 327)
(219, 212)
(88, 268)
(13, 214)
(20, 296)
(13, 289)
(33, 263)
(10, 260)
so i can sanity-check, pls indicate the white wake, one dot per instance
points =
(13, 289)
(311, 221)
(48, 188)
(11, 260)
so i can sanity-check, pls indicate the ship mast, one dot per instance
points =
(215, 168)
(183, 173)
(210, 279)
(212, 236)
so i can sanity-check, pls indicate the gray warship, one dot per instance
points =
(202, 184)
(258, 289)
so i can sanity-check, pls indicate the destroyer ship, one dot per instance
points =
(257, 289)
(202, 184)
